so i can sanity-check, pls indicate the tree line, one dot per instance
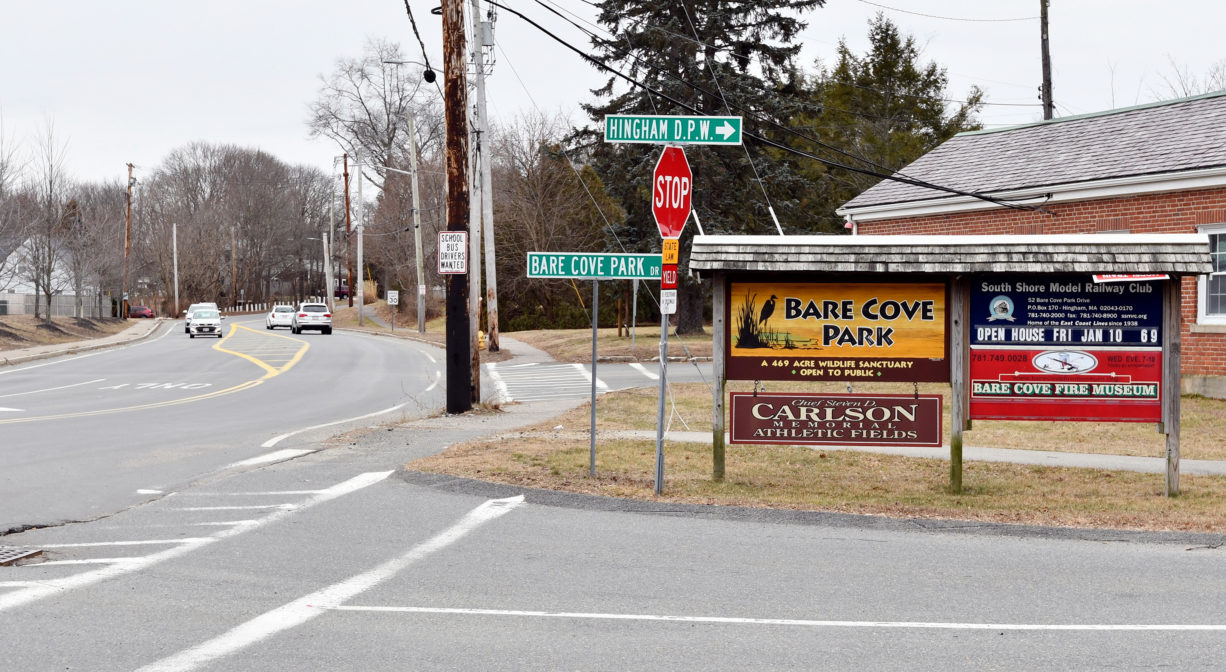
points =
(250, 227)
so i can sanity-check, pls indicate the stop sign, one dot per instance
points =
(670, 192)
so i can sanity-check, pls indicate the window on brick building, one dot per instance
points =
(1211, 289)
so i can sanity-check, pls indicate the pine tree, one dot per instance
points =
(710, 57)
(884, 107)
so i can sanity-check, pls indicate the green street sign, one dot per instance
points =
(594, 266)
(666, 130)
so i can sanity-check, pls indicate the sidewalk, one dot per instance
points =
(524, 353)
(1048, 458)
(138, 330)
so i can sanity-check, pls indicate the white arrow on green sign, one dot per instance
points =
(660, 129)
(594, 266)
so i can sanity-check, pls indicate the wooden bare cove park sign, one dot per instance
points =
(1018, 325)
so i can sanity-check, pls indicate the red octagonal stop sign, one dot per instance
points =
(670, 192)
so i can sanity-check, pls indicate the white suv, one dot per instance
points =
(312, 316)
(205, 322)
(187, 315)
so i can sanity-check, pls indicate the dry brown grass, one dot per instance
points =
(575, 345)
(23, 331)
(808, 479)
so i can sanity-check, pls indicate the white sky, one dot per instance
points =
(130, 80)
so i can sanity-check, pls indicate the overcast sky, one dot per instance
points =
(130, 80)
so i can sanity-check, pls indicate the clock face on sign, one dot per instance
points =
(1065, 361)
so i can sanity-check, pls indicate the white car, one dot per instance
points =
(187, 314)
(205, 322)
(279, 316)
(312, 316)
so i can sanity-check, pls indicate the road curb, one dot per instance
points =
(572, 500)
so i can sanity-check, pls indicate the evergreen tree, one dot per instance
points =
(885, 108)
(711, 57)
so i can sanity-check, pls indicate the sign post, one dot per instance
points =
(594, 267)
(393, 300)
(672, 185)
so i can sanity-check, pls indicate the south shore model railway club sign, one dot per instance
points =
(1041, 347)
(1066, 348)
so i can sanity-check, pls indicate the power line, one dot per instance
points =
(948, 18)
(897, 177)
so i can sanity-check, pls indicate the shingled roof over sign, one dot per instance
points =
(1177, 254)
(1156, 139)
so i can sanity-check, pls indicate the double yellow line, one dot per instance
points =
(270, 371)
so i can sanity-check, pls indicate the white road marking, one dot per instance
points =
(587, 374)
(145, 491)
(48, 389)
(724, 620)
(544, 382)
(643, 370)
(252, 507)
(179, 547)
(275, 456)
(15, 410)
(275, 440)
(257, 493)
(300, 611)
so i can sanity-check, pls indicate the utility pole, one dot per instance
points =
(483, 164)
(361, 267)
(348, 230)
(421, 279)
(174, 244)
(455, 101)
(127, 246)
(1046, 91)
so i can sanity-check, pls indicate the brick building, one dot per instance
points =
(1158, 168)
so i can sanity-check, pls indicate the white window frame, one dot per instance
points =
(1202, 317)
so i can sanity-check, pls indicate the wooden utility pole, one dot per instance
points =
(348, 231)
(455, 101)
(127, 248)
(1046, 90)
(486, 182)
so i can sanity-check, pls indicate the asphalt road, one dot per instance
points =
(342, 560)
(87, 435)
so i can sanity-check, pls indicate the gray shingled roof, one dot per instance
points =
(1166, 137)
(1176, 254)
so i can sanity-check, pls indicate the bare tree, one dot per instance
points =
(14, 218)
(94, 224)
(365, 105)
(1180, 82)
(44, 251)
(543, 202)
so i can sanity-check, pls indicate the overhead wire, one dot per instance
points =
(896, 177)
(753, 166)
(746, 113)
(948, 18)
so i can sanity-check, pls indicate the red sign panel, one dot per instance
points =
(836, 419)
(1056, 384)
(1066, 347)
(668, 276)
(672, 184)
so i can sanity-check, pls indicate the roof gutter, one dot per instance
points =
(1187, 180)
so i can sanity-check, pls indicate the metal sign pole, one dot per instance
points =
(595, 314)
(660, 409)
